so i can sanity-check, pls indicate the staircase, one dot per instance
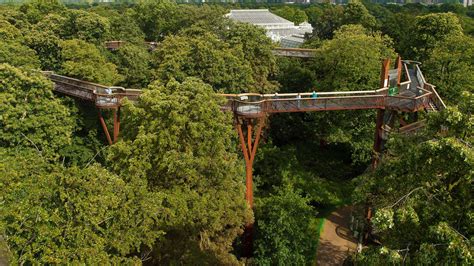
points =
(431, 107)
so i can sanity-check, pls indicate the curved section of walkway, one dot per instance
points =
(336, 241)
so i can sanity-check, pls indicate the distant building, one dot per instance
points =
(278, 28)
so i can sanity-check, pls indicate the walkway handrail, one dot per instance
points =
(435, 97)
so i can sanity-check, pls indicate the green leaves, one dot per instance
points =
(50, 214)
(84, 61)
(177, 138)
(30, 115)
(283, 221)
(423, 193)
(206, 57)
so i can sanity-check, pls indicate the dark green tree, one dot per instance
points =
(282, 228)
(205, 56)
(356, 13)
(451, 67)
(51, 214)
(84, 61)
(133, 63)
(257, 49)
(19, 55)
(422, 194)
(178, 139)
(29, 113)
(431, 29)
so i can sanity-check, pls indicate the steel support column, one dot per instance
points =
(104, 127)
(249, 148)
(116, 129)
(116, 123)
(380, 115)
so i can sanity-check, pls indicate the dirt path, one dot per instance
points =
(335, 241)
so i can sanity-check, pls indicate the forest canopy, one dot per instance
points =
(171, 189)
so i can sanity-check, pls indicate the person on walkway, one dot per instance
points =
(299, 100)
(314, 95)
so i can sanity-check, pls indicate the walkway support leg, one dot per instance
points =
(116, 124)
(104, 127)
(384, 82)
(111, 139)
(249, 148)
(378, 138)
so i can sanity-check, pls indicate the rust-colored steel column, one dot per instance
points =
(378, 138)
(104, 127)
(380, 114)
(249, 149)
(384, 73)
(399, 70)
(116, 123)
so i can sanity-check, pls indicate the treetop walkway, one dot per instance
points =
(411, 95)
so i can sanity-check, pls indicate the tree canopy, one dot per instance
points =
(170, 190)
(177, 139)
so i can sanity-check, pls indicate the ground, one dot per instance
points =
(336, 241)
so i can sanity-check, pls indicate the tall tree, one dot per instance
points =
(356, 13)
(29, 113)
(422, 194)
(88, 26)
(282, 227)
(257, 50)
(178, 139)
(133, 62)
(202, 54)
(451, 66)
(56, 215)
(431, 29)
(350, 61)
(84, 61)
(18, 55)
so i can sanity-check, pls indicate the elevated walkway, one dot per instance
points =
(103, 96)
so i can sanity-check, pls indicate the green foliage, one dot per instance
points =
(30, 115)
(320, 173)
(9, 32)
(47, 47)
(124, 27)
(257, 49)
(283, 222)
(451, 67)
(157, 18)
(50, 214)
(133, 64)
(164, 17)
(18, 55)
(177, 138)
(350, 61)
(431, 29)
(89, 26)
(356, 13)
(204, 56)
(84, 61)
(423, 195)
(36, 10)
(292, 14)
(57, 24)
(329, 21)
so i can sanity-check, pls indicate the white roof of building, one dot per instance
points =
(258, 17)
